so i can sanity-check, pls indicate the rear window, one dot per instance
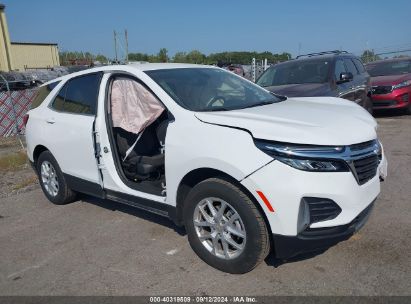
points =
(42, 93)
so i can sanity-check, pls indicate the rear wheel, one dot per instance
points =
(52, 180)
(224, 226)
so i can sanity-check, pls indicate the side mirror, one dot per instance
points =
(345, 77)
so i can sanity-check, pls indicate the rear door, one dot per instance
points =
(68, 130)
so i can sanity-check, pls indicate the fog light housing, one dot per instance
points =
(303, 216)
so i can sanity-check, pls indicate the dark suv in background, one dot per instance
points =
(333, 73)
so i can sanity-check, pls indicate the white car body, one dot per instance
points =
(224, 142)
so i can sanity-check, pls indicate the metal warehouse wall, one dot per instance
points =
(5, 56)
(33, 55)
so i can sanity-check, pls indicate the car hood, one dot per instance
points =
(315, 121)
(389, 79)
(300, 90)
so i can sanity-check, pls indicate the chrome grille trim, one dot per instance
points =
(349, 154)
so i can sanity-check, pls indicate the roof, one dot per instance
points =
(33, 43)
(134, 66)
(161, 66)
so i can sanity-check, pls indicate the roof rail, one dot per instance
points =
(322, 53)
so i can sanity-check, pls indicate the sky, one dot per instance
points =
(213, 26)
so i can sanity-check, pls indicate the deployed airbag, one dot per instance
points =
(133, 106)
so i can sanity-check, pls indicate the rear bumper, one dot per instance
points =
(313, 239)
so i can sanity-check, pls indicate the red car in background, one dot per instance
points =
(391, 83)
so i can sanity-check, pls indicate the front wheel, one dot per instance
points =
(224, 226)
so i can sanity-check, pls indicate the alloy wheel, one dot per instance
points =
(219, 228)
(49, 178)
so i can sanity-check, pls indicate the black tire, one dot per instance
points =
(64, 194)
(257, 245)
(368, 105)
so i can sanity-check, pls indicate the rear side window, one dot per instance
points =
(350, 66)
(42, 93)
(79, 95)
(359, 65)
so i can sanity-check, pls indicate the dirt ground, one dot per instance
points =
(16, 174)
(96, 247)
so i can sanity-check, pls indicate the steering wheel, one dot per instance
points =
(216, 101)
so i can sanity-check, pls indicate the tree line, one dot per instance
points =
(194, 56)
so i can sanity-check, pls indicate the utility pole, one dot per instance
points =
(126, 38)
(115, 45)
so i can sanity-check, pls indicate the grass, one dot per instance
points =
(13, 161)
(6, 142)
(26, 182)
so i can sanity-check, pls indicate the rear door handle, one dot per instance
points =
(50, 121)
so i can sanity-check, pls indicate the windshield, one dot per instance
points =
(296, 72)
(389, 68)
(210, 89)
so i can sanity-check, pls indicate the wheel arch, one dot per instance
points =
(37, 151)
(196, 176)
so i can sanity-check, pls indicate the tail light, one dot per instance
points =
(25, 120)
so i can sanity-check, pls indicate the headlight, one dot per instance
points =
(401, 85)
(305, 157)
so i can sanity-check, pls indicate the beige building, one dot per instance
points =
(23, 55)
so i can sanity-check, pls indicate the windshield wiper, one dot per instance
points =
(215, 109)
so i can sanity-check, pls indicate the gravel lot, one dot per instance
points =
(94, 247)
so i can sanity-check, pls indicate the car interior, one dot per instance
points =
(139, 123)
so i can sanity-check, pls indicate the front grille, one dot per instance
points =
(362, 146)
(384, 103)
(366, 168)
(322, 209)
(378, 90)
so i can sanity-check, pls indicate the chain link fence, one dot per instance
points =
(14, 104)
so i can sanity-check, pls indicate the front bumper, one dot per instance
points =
(398, 99)
(314, 239)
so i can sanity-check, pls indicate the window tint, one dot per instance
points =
(79, 95)
(42, 93)
(339, 68)
(359, 65)
(58, 102)
(350, 66)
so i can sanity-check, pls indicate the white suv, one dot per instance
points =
(245, 171)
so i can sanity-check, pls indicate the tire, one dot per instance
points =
(60, 194)
(368, 105)
(254, 246)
